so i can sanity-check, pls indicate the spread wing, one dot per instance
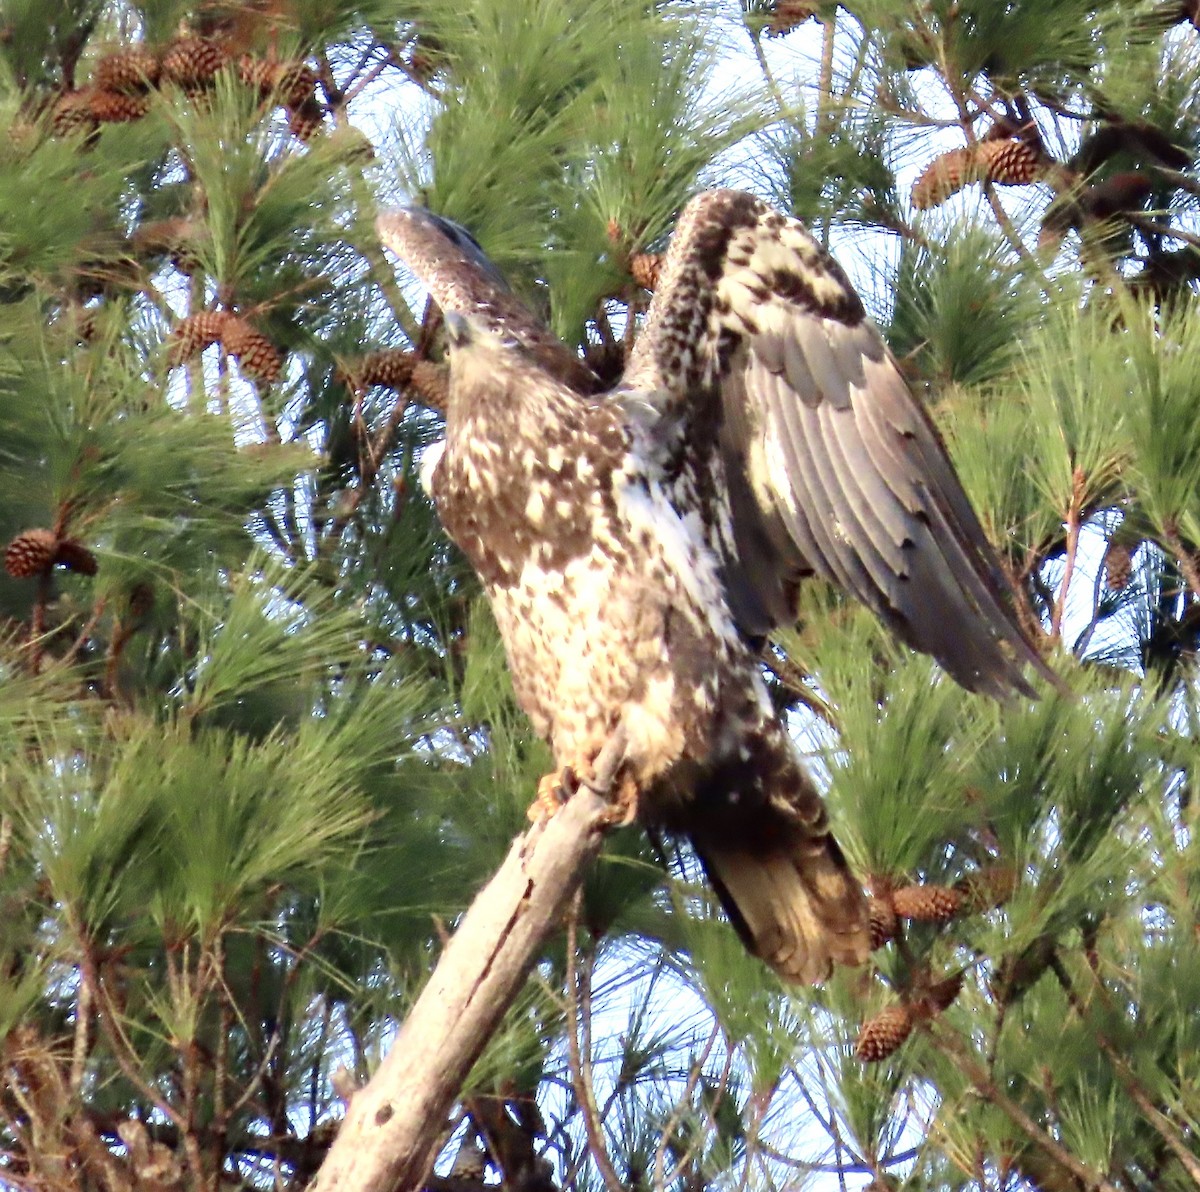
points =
(832, 465)
(462, 280)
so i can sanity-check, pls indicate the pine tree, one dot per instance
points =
(261, 746)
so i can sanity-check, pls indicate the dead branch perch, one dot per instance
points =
(392, 1126)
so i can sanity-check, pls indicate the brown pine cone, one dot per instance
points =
(191, 62)
(927, 904)
(987, 889)
(30, 553)
(1118, 564)
(1011, 162)
(141, 600)
(256, 72)
(118, 107)
(942, 995)
(304, 121)
(431, 382)
(787, 15)
(72, 111)
(881, 915)
(195, 333)
(74, 556)
(946, 175)
(129, 71)
(644, 268)
(1123, 192)
(425, 57)
(295, 82)
(881, 1035)
(256, 355)
(393, 368)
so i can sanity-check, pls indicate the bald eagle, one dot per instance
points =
(638, 544)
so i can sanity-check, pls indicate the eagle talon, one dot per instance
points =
(553, 792)
(625, 804)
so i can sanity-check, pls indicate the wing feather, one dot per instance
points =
(831, 457)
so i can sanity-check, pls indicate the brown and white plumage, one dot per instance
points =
(637, 544)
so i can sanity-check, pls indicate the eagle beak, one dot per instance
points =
(458, 330)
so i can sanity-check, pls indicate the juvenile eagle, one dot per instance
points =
(638, 544)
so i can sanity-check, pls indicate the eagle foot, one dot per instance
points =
(553, 791)
(624, 805)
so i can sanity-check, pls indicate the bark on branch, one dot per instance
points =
(389, 1138)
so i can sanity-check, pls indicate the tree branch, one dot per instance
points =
(389, 1138)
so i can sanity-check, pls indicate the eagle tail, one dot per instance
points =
(762, 836)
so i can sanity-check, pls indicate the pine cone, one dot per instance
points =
(881, 1035)
(1118, 564)
(256, 72)
(127, 71)
(1012, 163)
(393, 368)
(191, 62)
(787, 15)
(927, 904)
(425, 57)
(30, 553)
(117, 107)
(72, 111)
(296, 82)
(941, 995)
(293, 82)
(195, 333)
(882, 919)
(946, 175)
(470, 1162)
(74, 556)
(141, 600)
(256, 355)
(304, 122)
(987, 889)
(431, 382)
(644, 268)
(1123, 192)
(85, 325)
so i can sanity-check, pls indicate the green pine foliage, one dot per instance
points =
(258, 746)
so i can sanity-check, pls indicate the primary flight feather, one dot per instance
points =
(637, 544)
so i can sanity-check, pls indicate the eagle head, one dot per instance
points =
(480, 351)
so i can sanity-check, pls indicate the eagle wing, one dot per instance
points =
(832, 465)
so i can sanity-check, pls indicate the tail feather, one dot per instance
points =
(801, 911)
(760, 829)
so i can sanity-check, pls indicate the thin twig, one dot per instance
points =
(1184, 556)
(950, 1046)
(581, 1065)
(1129, 1081)
(681, 1107)
(1146, 224)
(791, 677)
(824, 123)
(721, 1087)
(1074, 522)
(83, 1022)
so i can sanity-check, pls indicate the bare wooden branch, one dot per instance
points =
(389, 1138)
